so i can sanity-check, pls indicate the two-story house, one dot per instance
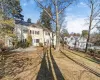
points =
(39, 34)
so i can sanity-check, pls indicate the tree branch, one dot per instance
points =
(95, 25)
(53, 1)
(45, 9)
(64, 8)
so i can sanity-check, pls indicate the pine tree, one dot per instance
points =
(9, 10)
(45, 19)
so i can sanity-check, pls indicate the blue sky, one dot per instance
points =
(76, 15)
(30, 10)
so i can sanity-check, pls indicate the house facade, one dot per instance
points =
(39, 34)
(71, 41)
(77, 42)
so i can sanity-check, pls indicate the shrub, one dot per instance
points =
(26, 44)
(91, 50)
(22, 44)
(19, 44)
(4, 48)
(1, 43)
(65, 42)
(98, 52)
(41, 44)
(29, 40)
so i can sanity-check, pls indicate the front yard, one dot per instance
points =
(44, 65)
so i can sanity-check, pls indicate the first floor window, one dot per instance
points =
(65, 38)
(30, 31)
(37, 40)
(33, 32)
(37, 32)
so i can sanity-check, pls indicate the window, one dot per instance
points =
(37, 32)
(30, 31)
(65, 38)
(46, 33)
(33, 32)
(71, 38)
(37, 40)
(25, 31)
(25, 40)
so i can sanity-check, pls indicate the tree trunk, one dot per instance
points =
(52, 40)
(57, 30)
(86, 49)
(43, 39)
(2, 8)
(88, 39)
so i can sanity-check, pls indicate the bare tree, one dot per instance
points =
(57, 7)
(94, 6)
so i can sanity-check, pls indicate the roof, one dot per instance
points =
(46, 29)
(39, 26)
(35, 25)
(22, 23)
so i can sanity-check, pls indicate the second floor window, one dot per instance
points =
(37, 32)
(34, 32)
(46, 33)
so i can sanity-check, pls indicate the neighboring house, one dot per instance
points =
(70, 40)
(77, 42)
(39, 35)
(81, 43)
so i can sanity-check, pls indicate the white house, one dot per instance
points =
(39, 34)
(81, 43)
(71, 40)
(77, 41)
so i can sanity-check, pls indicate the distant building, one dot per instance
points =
(77, 42)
